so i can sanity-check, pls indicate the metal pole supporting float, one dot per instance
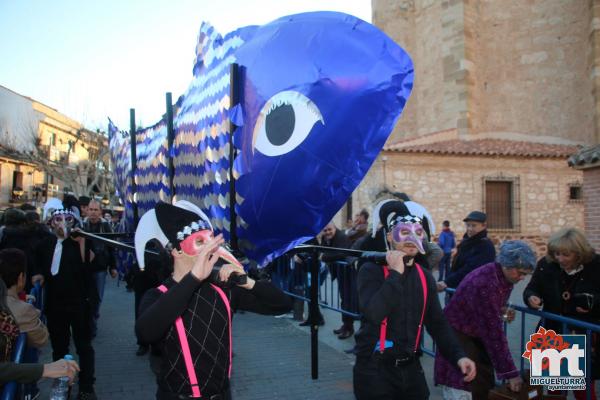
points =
(234, 99)
(170, 140)
(132, 138)
(313, 314)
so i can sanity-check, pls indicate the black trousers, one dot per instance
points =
(375, 380)
(484, 380)
(346, 277)
(75, 319)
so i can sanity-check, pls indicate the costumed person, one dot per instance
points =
(63, 265)
(397, 297)
(567, 282)
(477, 312)
(188, 317)
(377, 241)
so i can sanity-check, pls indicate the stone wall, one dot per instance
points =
(504, 69)
(530, 68)
(591, 196)
(451, 186)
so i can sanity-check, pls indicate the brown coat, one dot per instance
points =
(28, 321)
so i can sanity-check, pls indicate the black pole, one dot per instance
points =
(133, 165)
(170, 140)
(314, 315)
(234, 99)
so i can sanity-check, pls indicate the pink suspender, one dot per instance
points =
(383, 326)
(226, 301)
(185, 347)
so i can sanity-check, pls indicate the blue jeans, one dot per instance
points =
(100, 281)
(444, 266)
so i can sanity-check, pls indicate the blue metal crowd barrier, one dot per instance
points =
(544, 315)
(10, 388)
(334, 278)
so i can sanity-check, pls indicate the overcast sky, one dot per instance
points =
(94, 59)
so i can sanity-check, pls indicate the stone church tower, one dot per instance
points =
(504, 92)
(513, 69)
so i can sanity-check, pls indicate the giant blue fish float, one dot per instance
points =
(320, 93)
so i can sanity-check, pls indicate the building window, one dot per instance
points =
(501, 203)
(575, 192)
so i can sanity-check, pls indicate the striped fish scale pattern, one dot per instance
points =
(201, 145)
(121, 160)
(152, 173)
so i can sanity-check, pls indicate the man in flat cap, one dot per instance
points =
(475, 250)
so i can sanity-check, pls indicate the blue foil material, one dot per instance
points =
(321, 93)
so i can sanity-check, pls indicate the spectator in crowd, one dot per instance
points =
(198, 363)
(115, 221)
(476, 312)
(27, 207)
(341, 270)
(13, 270)
(396, 300)
(447, 243)
(475, 250)
(14, 219)
(84, 201)
(104, 259)
(63, 265)
(31, 373)
(9, 331)
(567, 282)
(359, 226)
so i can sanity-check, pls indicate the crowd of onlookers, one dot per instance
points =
(565, 281)
(44, 248)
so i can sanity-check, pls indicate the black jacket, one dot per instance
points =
(472, 252)
(549, 282)
(74, 282)
(205, 320)
(400, 299)
(104, 256)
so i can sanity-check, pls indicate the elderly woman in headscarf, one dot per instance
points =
(567, 282)
(476, 313)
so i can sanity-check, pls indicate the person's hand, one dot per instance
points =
(37, 278)
(581, 310)
(207, 258)
(228, 269)
(61, 368)
(30, 298)
(441, 286)
(534, 302)
(113, 273)
(395, 260)
(515, 384)
(467, 367)
(78, 238)
(508, 314)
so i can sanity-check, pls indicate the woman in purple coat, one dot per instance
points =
(476, 313)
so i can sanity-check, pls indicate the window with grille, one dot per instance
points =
(501, 203)
(575, 192)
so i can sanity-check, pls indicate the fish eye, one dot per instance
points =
(284, 122)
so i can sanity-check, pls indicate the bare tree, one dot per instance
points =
(91, 176)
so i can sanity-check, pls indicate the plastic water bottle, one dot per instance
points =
(60, 387)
